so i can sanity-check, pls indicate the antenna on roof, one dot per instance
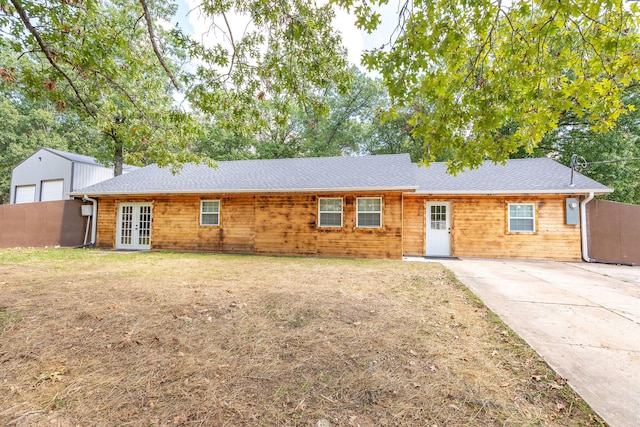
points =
(576, 164)
(572, 165)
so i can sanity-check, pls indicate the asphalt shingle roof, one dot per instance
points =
(383, 172)
(539, 175)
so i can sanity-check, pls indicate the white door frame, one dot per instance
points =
(438, 234)
(134, 226)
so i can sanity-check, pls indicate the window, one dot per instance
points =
(330, 212)
(522, 217)
(210, 212)
(438, 219)
(369, 212)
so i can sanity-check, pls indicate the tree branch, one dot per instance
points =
(586, 41)
(118, 86)
(49, 54)
(152, 37)
(350, 109)
(233, 45)
(124, 92)
(487, 41)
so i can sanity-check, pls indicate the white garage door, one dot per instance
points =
(25, 194)
(52, 190)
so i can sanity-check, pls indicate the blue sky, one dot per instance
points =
(181, 16)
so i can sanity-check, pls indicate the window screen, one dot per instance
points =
(521, 217)
(330, 212)
(210, 212)
(369, 212)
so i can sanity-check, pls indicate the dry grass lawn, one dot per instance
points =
(96, 338)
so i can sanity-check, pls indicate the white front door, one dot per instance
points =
(438, 229)
(134, 226)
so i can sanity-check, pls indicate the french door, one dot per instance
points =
(438, 229)
(134, 226)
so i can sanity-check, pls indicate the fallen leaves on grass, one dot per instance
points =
(174, 339)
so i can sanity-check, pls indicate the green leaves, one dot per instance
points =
(98, 59)
(469, 68)
(331, 124)
(112, 64)
(281, 49)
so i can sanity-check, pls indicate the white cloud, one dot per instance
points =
(352, 37)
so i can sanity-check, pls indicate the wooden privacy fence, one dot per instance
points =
(56, 223)
(614, 232)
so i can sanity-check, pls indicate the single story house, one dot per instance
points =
(50, 174)
(371, 207)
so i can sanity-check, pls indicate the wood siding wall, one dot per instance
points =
(282, 224)
(479, 228)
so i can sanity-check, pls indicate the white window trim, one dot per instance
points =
(533, 218)
(217, 224)
(320, 212)
(358, 212)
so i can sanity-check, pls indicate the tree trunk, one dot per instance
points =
(117, 158)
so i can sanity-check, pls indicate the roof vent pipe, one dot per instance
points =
(583, 227)
(94, 217)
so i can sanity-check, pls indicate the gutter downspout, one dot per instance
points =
(583, 227)
(94, 217)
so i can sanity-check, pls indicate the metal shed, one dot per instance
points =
(50, 174)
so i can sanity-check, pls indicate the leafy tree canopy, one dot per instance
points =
(114, 65)
(468, 68)
(101, 60)
(611, 157)
(27, 126)
(352, 122)
(458, 72)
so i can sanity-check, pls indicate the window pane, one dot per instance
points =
(212, 206)
(331, 219)
(368, 220)
(438, 225)
(521, 211)
(517, 224)
(332, 205)
(209, 219)
(369, 205)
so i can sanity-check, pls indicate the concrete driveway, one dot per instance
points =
(583, 319)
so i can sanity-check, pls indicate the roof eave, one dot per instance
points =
(514, 192)
(243, 191)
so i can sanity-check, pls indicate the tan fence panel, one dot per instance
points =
(56, 223)
(614, 232)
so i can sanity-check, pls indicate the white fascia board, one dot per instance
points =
(512, 192)
(242, 191)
